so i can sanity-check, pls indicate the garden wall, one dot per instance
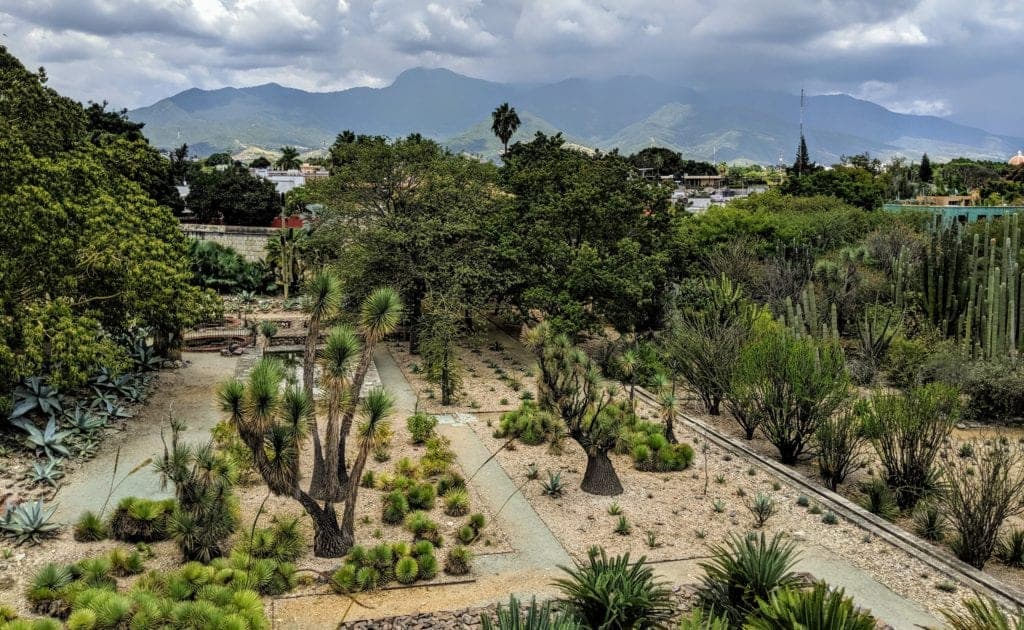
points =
(249, 241)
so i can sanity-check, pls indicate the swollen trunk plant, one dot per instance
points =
(908, 430)
(570, 385)
(978, 494)
(322, 297)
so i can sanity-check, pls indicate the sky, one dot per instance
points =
(952, 58)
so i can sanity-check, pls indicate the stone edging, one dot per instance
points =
(936, 558)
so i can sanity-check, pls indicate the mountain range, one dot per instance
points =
(732, 124)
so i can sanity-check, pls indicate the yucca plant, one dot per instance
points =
(140, 520)
(700, 620)
(819, 608)
(206, 511)
(29, 522)
(536, 617)
(615, 593)
(321, 299)
(763, 508)
(983, 614)
(930, 522)
(744, 570)
(337, 358)
(878, 498)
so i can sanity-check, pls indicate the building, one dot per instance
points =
(972, 199)
(1017, 160)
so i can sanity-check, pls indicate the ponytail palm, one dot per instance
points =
(375, 410)
(337, 359)
(379, 315)
(322, 298)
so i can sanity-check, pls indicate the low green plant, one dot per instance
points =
(878, 498)
(451, 480)
(48, 472)
(1010, 548)
(698, 619)
(141, 520)
(407, 570)
(458, 560)
(553, 487)
(369, 479)
(422, 496)
(532, 472)
(456, 503)
(829, 518)
(744, 570)
(421, 427)
(477, 521)
(90, 528)
(126, 563)
(536, 617)
(422, 528)
(622, 527)
(651, 539)
(395, 507)
(29, 522)
(982, 613)
(763, 508)
(651, 450)
(615, 593)
(929, 522)
(529, 424)
(466, 534)
(803, 500)
(819, 607)
(718, 506)
(614, 509)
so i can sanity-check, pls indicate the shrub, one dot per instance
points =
(450, 481)
(369, 579)
(979, 495)
(840, 440)
(428, 565)
(996, 392)
(929, 522)
(369, 479)
(456, 503)
(529, 424)
(123, 564)
(90, 528)
(422, 496)
(458, 560)
(982, 614)
(282, 541)
(906, 359)
(344, 579)
(614, 592)
(141, 520)
(877, 498)
(407, 570)
(421, 426)
(700, 620)
(819, 607)
(763, 508)
(908, 431)
(829, 518)
(422, 528)
(466, 535)
(745, 570)
(477, 521)
(651, 450)
(1010, 548)
(803, 500)
(405, 467)
(537, 617)
(46, 590)
(395, 507)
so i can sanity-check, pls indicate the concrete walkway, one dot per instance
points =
(189, 394)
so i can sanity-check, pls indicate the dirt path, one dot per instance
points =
(189, 395)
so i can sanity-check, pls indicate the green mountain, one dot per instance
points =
(628, 113)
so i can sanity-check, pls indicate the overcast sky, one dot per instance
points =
(956, 58)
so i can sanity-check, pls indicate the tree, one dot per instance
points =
(704, 345)
(286, 256)
(337, 359)
(924, 171)
(234, 196)
(504, 122)
(376, 408)
(803, 165)
(570, 385)
(100, 122)
(322, 297)
(979, 493)
(908, 431)
(441, 329)
(261, 161)
(179, 164)
(855, 185)
(272, 421)
(219, 159)
(793, 384)
(289, 159)
(840, 440)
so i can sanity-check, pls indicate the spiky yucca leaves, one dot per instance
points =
(615, 593)
(375, 410)
(140, 520)
(537, 617)
(47, 593)
(700, 620)
(206, 511)
(282, 541)
(983, 614)
(819, 608)
(90, 528)
(379, 314)
(339, 355)
(745, 570)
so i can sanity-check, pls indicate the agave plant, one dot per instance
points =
(983, 614)
(143, 354)
(33, 394)
(29, 522)
(615, 593)
(49, 440)
(82, 420)
(48, 472)
(537, 617)
(819, 607)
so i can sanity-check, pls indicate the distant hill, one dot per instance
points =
(628, 113)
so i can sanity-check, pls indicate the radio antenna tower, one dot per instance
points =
(800, 149)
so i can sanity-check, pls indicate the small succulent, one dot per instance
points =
(553, 487)
(82, 420)
(29, 522)
(48, 472)
(49, 440)
(33, 394)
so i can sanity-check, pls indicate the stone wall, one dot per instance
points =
(250, 242)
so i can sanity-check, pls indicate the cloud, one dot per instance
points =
(945, 57)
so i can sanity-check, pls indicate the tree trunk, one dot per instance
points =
(600, 477)
(328, 487)
(670, 433)
(349, 412)
(713, 406)
(329, 541)
(348, 521)
(415, 313)
(318, 479)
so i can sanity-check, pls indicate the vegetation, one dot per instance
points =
(615, 593)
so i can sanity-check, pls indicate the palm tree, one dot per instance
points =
(379, 315)
(322, 298)
(341, 350)
(284, 257)
(372, 430)
(504, 122)
(289, 159)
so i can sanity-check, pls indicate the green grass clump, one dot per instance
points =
(458, 561)
(395, 508)
(407, 570)
(456, 503)
(90, 528)
(422, 496)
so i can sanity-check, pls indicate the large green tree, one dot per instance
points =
(86, 251)
(504, 122)
(234, 196)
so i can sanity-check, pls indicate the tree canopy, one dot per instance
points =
(233, 195)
